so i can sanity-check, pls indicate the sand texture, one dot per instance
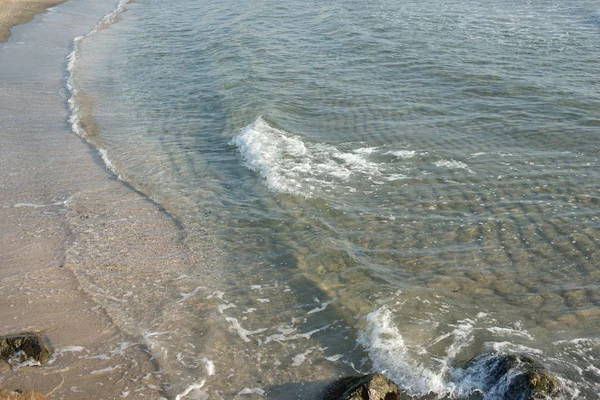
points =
(62, 214)
(62, 217)
(14, 12)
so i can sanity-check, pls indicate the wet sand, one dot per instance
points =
(62, 214)
(14, 12)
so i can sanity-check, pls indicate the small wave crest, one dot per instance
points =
(293, 165)
(420, 372)
(388, 351)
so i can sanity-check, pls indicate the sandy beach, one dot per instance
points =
(63, 215)
(14, 12)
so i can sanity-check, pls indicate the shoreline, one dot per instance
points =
(63, 215)
(16, 12)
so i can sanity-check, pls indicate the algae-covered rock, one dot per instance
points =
(24, 347)
(512, 376)
(364, 387)
(540, 384)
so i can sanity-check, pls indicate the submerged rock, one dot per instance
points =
(512, 377)
(24, 347)
(365, 387)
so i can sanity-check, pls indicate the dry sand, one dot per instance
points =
(62, 214)
(14, 12)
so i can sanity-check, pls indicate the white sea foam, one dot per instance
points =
(463, 336)
(291, 164)
(453, 164)
(474, 155)
(194, 389)
(404, 154)
(593, 369)
(322, 307)
(365, 150)
(107, 161)
(396, 177)
(509, 347)
(277, 156)
(388, 352)
(299, 359)
(285, 336)
(20, 205)
(209, 366)
(421, 373)
(243, 333)
(218, 294)
(510, 332)
(248, 391)
(75, 112)
(580, 341)
(69, 349)
(223, 307)
(103, 370)
(185, 296)
(334, 357)
(122, 347)
(157, 350)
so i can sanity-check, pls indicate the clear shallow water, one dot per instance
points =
(364, 185)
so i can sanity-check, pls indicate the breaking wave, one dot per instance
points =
(419, 372)
(291, 164)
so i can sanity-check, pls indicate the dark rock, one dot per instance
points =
(365, 387)
(23, 347)
(513, 377)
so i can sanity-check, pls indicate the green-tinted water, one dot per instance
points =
(432, 165)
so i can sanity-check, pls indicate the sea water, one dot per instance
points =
(374, 185)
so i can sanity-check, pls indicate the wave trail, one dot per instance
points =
(76, 117)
